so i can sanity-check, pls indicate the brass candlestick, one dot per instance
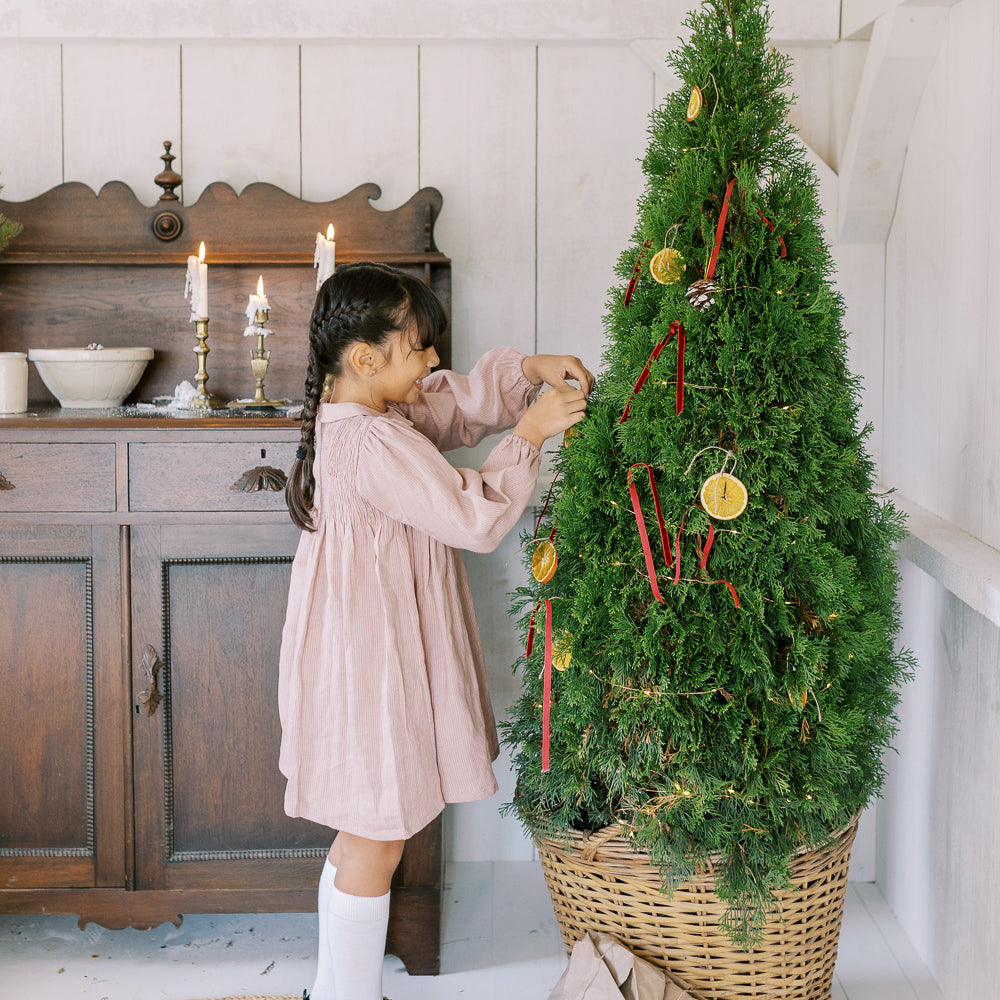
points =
(204, 400)
(259, 360)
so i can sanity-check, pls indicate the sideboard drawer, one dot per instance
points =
(57, 477)
(207, 477)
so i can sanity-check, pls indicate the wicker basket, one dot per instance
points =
(597, 882)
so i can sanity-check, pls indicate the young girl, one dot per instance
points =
(384, 708)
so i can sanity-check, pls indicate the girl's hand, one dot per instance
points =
(554, 369)
(552, 413)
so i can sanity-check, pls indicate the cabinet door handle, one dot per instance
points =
(261, 477)
(5, 484)
(151, 666)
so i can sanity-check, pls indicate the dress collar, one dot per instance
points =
(329, 412)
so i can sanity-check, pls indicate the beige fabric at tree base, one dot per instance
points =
(601, 968)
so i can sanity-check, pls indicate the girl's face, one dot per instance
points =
(407, 363)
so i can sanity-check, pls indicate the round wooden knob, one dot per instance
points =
(167, 226)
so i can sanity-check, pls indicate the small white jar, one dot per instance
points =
(13, 382)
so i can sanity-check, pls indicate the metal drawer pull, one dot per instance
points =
(261, 477)
(151, 667)
(5, 484)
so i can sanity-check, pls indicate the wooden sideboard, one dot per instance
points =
(142, 599)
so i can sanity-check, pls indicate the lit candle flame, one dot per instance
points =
(201, 253)
(329, 231)
(260, 285)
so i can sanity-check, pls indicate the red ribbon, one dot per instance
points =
(635, 274)
(546, 686)
(703, 558)
(679, 405)
(718, 230)
(546, 674)
(677, 328)
(703, 562)
(677, 567)
(732, 590)
(770, 225)
(641, 523)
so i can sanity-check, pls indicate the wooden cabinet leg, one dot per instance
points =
(415, 929)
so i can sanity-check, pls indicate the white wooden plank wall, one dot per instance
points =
(942, 314)
(594, 102)
(117, 100)
(991, 363)
(477, 145)
(240, 116)
(360, 121)
(939, 853)
(31, 153)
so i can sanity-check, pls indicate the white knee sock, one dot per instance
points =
(323, 986)
(356, 929)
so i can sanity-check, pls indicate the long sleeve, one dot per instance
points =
(455, 410)
(402, 474)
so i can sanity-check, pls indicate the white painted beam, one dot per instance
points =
(903, 48)
(961, 563)
(413, 20)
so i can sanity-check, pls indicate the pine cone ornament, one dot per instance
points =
(701, 293)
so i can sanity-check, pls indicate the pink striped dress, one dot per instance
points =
(384, 706)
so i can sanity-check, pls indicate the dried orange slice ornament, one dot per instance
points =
(544, 561)
(667, 266)
(723, 496)
(562, 652)
(571, 432)
(695, 104)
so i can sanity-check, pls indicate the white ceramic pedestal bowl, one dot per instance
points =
(83, 377)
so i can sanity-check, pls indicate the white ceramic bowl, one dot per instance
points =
(80, 377)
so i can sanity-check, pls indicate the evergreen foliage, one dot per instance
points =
(703, 728)
(8, 229)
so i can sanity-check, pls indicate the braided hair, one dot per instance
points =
(362, 302)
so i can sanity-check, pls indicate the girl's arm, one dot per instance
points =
(455, 410)
(402, 474)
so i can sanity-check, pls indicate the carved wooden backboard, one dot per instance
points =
(89, 268)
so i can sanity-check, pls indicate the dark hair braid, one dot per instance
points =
(362, 302)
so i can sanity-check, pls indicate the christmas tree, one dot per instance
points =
(723, 604)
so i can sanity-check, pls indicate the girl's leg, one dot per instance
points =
(357, 915)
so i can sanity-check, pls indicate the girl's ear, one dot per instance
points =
(360, 359)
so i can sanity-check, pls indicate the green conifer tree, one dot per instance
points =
(703, 727)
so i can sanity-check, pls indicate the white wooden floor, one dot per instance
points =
(500, 943)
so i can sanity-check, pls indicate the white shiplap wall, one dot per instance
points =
(939, 851)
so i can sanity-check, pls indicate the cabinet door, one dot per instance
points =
(63, 730)
(210, 601)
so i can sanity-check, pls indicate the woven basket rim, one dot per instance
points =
(589, 843)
